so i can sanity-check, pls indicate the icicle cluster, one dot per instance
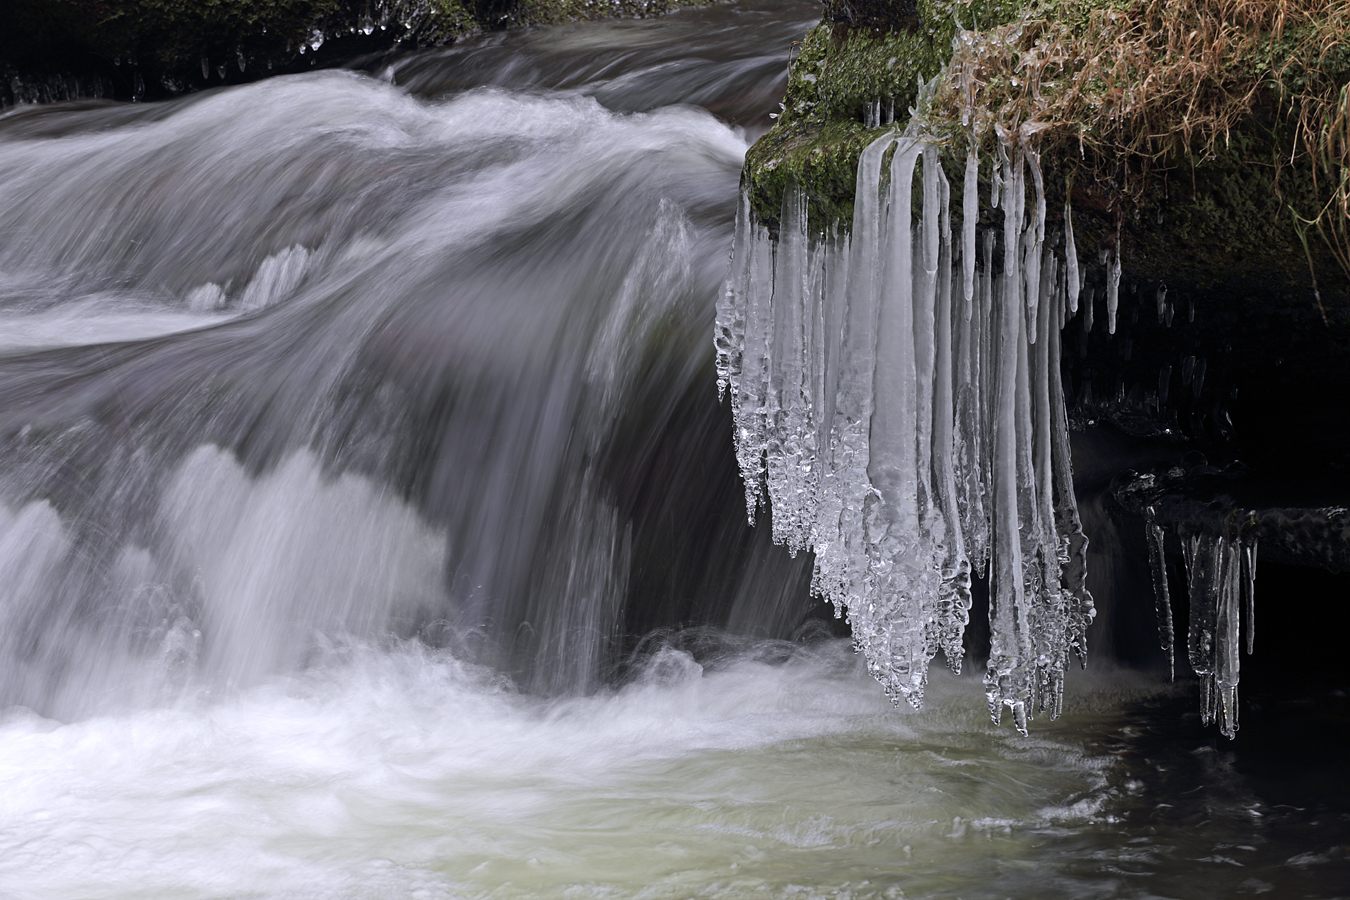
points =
(899, 401)
(1221, 585)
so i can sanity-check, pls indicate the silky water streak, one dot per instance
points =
(898, 404)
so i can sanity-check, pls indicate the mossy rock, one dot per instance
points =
(552, 12)
(862, 66)
(840, 78)
(1222, 222)
(1216, 231)
(150, 49)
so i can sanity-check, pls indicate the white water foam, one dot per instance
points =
(238, 577)
(400, 771)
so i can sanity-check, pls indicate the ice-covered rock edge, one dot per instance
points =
(1221, 587)
(900, 402)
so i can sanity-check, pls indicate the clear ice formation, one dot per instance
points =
(1156, 536)
(899, 404)
(1221, 587)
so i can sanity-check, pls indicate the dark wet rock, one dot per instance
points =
(61, 50)
(1201, 499)
(875, 14)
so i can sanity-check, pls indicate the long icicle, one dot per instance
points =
(1006, 682)
(954, 599)
(1155, 536)
(890, 626)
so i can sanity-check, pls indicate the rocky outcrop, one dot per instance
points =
(54, 50)
(1200, 499)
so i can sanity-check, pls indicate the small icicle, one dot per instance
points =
(1043, 428)
(788, 446)
(1034, 163)
(1112, 290)
(1161, 300)
(729, 335)
(931, 211)
(752, 390)
(1214, 575)
(1155, 536)
(975, 400)
(1079, 609)
(996, 164)
(1031, 287)
(830, 575)
(1019, 711)
(1071, 256)
(1227, 633)
(1051, 619)
(1035, 241)
(954, 598)
(1249, 588)
(845, 580)
(1201, 559)
(1089, 295)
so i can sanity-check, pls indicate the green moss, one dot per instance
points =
(823, 161)
(869, 69)
(1223, 227)
(841, 78)
(551, 12)
(445, 21)
(837, 78)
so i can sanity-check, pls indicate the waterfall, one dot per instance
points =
(898, 406)
(314, 359)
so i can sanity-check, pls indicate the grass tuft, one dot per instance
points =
(1130, 86)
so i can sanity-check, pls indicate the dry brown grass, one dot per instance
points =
(1131, 85)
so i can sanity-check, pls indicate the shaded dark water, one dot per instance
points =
(354, 430)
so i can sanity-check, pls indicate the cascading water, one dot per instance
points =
(348, 392)
(360, 463)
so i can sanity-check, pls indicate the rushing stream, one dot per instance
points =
(355, 429)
